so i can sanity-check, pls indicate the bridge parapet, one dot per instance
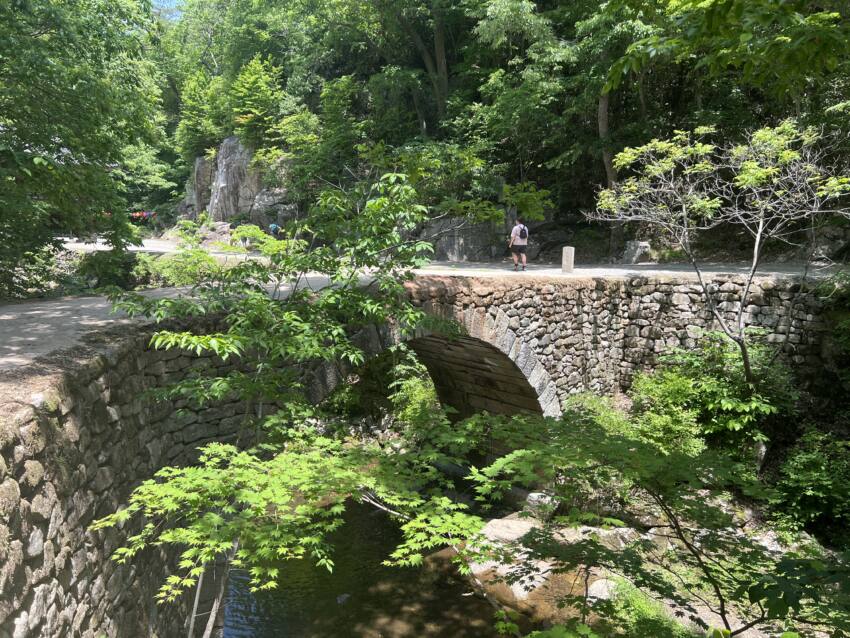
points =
(596, 333)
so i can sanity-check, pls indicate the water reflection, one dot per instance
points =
(362, 598)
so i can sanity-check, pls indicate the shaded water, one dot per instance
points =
(361, 598)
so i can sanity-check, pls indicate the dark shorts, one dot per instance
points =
(518, 250)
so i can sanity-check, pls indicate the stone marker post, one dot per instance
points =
(567, 259)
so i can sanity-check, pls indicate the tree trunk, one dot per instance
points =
(642, 96)
(435, 62)
(607, 153)
(440, 57)
(420, 114)
(191, 632)
(615, 238)
(431, 68)
(222, 592)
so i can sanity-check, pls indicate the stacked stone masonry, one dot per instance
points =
(78, 432)
(570, 335)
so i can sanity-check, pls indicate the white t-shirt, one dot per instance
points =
(517, 240)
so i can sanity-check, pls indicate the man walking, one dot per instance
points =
(518, 242)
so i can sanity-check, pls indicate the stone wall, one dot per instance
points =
(568, 335)
(77, 433)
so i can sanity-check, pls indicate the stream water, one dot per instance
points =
(361, 598)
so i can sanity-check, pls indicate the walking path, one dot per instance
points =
(32, 329)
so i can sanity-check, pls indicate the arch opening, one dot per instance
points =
(471, 375)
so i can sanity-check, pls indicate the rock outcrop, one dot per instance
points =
(229, 186)
(202, 178)
(235, 185)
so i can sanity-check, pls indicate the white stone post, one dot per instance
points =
(567, 259)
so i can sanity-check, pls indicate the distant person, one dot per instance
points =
(519, 243)
(274, 230)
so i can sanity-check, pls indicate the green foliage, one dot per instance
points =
(591, 461)
(666, 411)
(415, 399)
(37, 274)
(204, 115)
(280, 497)
(75, 90)
(190, 265)
(778, 46)
(145, 175)
(256, 101)
(450, 179)
(573, 630)
(635, 614)
(391, 120)
(814, 486)
(319, 149)
(529, 203)
(187, 267)
(107, 268)
(632, 614)
(726, 403)
(773, 180)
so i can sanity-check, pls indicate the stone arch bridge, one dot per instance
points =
(76, 433)
(531, 342)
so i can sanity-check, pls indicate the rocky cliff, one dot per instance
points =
(229, 186)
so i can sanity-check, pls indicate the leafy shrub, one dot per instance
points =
(670, 255)
(108, 268)
(394, 384)
(638, 615)
(35, 274)
(703, 393)
(529, 202)
(815, 486)
(187, 267)
(666, 411)
(727, 406)
(189, 232)
(204, 220)
(415, 399)
(632, 615)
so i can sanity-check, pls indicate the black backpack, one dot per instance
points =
(523, 232)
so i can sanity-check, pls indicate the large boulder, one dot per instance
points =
(455, 241)
(201, 182)
(230, 186)
(236, 184)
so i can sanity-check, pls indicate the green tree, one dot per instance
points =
(279, 497)
(768, 186)
(256, 101)
(75, 90)
(204, 114)
(784, 47)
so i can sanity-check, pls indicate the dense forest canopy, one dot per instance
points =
(541, 92)
(487, 103)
